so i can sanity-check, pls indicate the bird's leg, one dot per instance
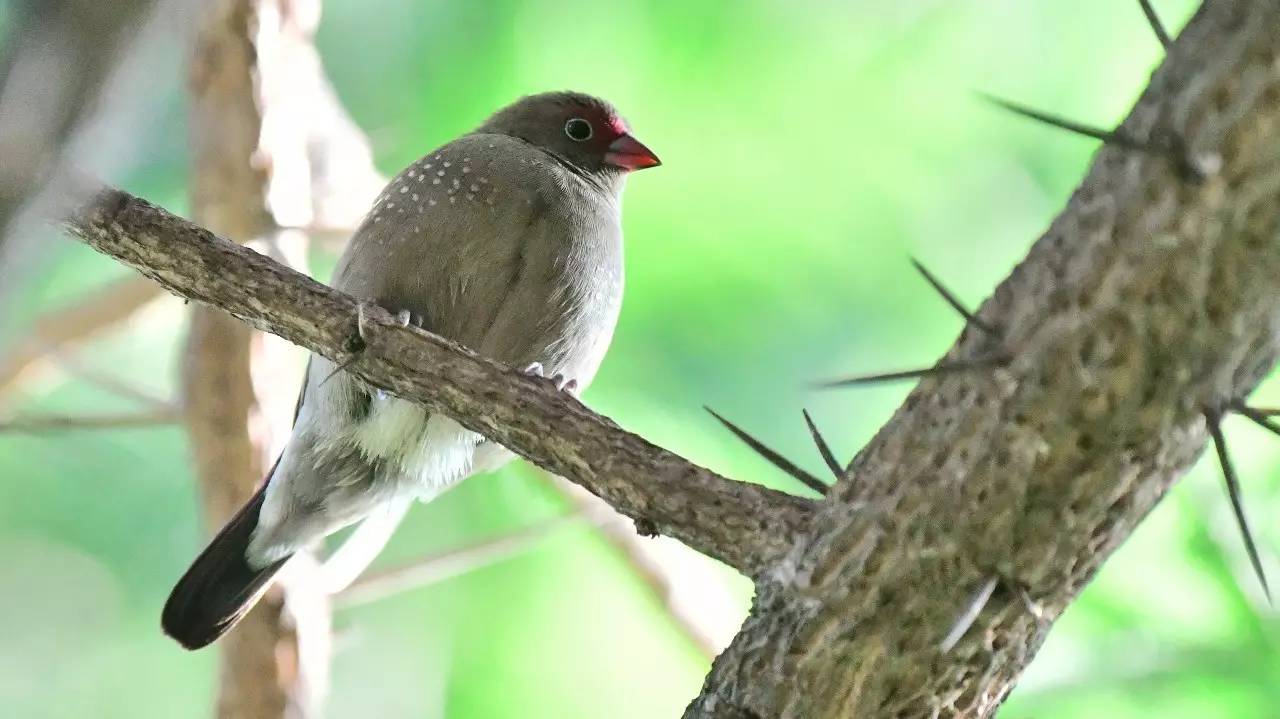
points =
(359, 342)
(562, 383)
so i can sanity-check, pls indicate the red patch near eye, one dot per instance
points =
(619, 125)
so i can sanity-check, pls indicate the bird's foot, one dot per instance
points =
(359, 342)
(562, 383)
(405, 318)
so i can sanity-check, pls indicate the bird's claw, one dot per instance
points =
(406, 318)
(359, 342)
(562, 383)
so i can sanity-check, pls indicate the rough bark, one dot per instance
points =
(1150, 299)
(744, 525)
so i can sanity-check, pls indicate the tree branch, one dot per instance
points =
(744, 525)
(438, 567)
(1151, 298)
(44, 423)
(696, 601)
(72, 325)
(276, 663)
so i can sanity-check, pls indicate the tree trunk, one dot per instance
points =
(267, 658)
(1151, 299)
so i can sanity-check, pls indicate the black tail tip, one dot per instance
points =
(189, 629)
(221, 586)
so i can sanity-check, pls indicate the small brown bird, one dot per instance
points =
(507, 240)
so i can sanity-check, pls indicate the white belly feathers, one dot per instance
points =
(431, 453)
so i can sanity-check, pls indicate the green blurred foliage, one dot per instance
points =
(810, 148)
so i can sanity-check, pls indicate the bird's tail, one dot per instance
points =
(221, 586)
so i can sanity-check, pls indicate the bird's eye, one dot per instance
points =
(578, 130)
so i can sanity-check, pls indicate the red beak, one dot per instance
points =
(628, 153)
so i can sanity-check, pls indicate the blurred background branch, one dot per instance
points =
(276, 663)
(58, 56)
(273, 149)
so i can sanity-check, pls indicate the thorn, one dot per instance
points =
(356, 345)
(1262, 418)
(1059, 122)
(951, 299)
(824, 449)
(1171, 150)
(774, 458)
(972, 609)
(350, 361)
(942, 368)
(1037, 611)
(1156, 26)
(1213, 419)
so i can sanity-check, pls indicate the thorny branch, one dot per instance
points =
(1152, 300)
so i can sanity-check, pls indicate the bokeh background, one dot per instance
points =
(811, 148)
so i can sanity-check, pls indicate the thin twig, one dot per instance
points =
(436, 568)
(772, 456)
(118, 386)
(673, 573)
(45, 423)
(98, 311)
(1213, 420)
(951, 299)
(1156, 26)
(824, 449)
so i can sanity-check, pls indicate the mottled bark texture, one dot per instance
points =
(1150, 299)
(1153, 297)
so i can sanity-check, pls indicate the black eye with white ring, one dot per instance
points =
(578, 130)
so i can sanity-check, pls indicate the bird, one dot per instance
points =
(507, 240)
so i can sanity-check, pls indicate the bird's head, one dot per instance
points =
(585, 131)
